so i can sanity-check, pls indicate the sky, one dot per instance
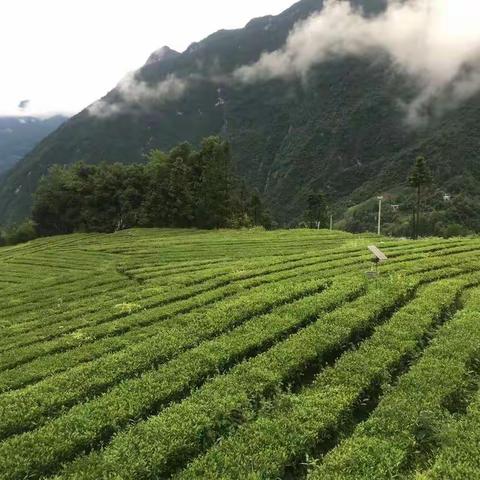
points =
(59, 56)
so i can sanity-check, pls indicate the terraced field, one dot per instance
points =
(239, 355)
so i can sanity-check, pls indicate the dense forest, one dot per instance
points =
(182, 188)
(196, 188)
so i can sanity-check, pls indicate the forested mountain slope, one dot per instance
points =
(340, 129)
(18, 135)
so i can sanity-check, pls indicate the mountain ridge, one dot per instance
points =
(20, 134)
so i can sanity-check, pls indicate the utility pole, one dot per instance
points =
(379, 215)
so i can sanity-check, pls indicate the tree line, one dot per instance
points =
(182, 188)
(419, 178)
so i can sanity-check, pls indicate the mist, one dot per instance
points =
(435, 41)
(138, 93)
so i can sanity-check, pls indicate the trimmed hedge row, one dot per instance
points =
(27, 408)
(71, 289)
(64, 317)
(161, 306)
(135, 398)
(32, 363)
(38, 361)
(163, 442)
(405, 422)
(244, 279)
(297, 423)
(459, 459)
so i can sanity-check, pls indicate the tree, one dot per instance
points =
(181, 188)
(256, 208)
(212, 183)
(316, 215)
(153, 212)
(179, 200)
(419, 178)
(22, 233)
(57, 203)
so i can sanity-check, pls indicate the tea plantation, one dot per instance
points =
(156, 354)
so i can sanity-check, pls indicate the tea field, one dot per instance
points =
(157, 354)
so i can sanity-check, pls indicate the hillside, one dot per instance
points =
(341, 129)
(18, 135)
(238, 354)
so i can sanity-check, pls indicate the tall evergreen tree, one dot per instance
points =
(316, 215)
(153, 212)
(179, 199)
(418, 179)
(256, 208)
(213, 183)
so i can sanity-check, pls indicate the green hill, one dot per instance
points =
(239, 354)
(341, 130)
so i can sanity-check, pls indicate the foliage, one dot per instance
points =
(181, 188)
(418, 179)
(316, 214)
(22, 233)
(421, 174)
(285, 431)
(405, 426)
(237, 354)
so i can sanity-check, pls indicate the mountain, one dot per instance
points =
(162, 54)
(340, 129)
(18, 135)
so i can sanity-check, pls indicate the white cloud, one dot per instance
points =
(138, 92)
(432, 40)
(134, 92)
(103, 109)
(64, 55)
